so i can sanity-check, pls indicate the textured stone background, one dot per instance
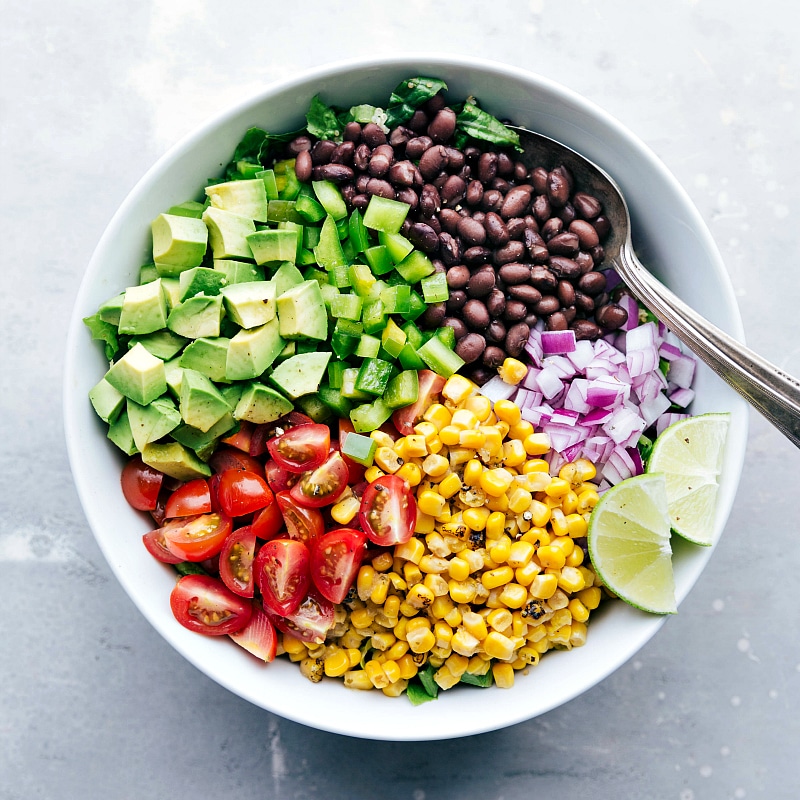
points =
(93, 703)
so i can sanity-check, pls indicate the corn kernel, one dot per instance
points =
(587, 500)
(536, 536)
(521, 431)
(472, 472)
(435, 445)
(520, 554)
(495, 525)
(412, 573)
(476, 518)
(438, 415)
(391, 608)
(577, 636)
(433, 564)
(459, 455)
(495, 482)
(588, 576)
(512, 371)
(576, 526)
(462, 591)
(575, 558)
(383, 562)
(450, 435)
(480, 406)
(464, 644)
(473, 439)
(519, 500)
(525, 575)
(578, 610)
(382, 438)
(412, 550)
(458, 388)
(493, 441)
(500, 549)
(373, 473)
(570, 580)
(564, 544)
(408, 668)
(514, 595)
(551, 557)
(475, 624)
(431, 503)
(420, 640)
(536, 444)
(345, 510)
(411, 473)
(445, 679)
(388, 460)
(415, 444)
(464, 419)
(293, 646)
(544, 586)
(498, 645)
(357, 679)
(442, 606)
(375, 672)
(383, 640)
(425, 522)
(458, 569)
(507, 411)
(427, 430)
(493, 578)
(449, 485)
(590, 597)
(435, 465)
(514, 454)
(569, 502)
(380, 590)
(540, 513)
(558, 487)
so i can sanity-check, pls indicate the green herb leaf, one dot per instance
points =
(255, 147)
(189, 568)
(478, 124)
(478, 680)
(409, 96)
(417, 694)
(645, 446)
(322, 120)
(103, 332)
(428, 683)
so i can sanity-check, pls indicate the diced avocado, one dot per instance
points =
(191, 208)
(232, 393)
(286, 276)
(313, 406)
(119, 432)
(111, 310)
(152, 422)
(174, 375)
(300, 374)
(289, 350)
(162, 344)
(196, 317)
(201, 403)
(302, 312)
(172, 291)
(179, 241)
(175, 460)
(227, 233)
(107, 401)
(248, 198)
(251, 352)
(260, 404)
(238, 271)
(147, 273)
(207, 355)
(203, 442)
(250, 304)
(273, 245)
(200, 280)
(138, 375)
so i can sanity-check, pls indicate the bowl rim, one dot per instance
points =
(74, 346)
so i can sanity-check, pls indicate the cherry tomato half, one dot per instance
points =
(258, 636)
(156, 545)
(430, 387)
(302, 523)
(278, 478)
(268, 522)
(197, 538)
(335, 560)
(301, 448)
(311, 622)
(388, 512)
(282, 575)
(141, 484)
(236, 561)
(321, 486)
(192, 498)
(241, 439)
(231, 458)
(242, 492)
(205, 605)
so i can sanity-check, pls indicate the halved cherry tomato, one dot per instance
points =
(321, 486)
(141, 484)
(197, 538)
(282, 574)
(205, 605)
(335, 560)
(301, 448)
(236, 561)
(268, 522)
(231, 458)
(192, 498)
(159, 513)
(241, 439)
(388, 512)
(213, 487)
(242, 492)
(278, 478)
(311, 622)
(430, 387)
(258, 636)
(157, 547)
(266, 431)
(302, 523)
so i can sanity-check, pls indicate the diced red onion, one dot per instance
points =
(681, 371)
(666, 420)
(652, 408)
(558, 342)
(681, 397)
(549, 383)
(632, 308)
(669, 351)
(497, 389)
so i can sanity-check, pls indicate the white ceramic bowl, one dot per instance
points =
(667, 230)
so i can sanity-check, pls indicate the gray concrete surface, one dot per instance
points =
(93, 703)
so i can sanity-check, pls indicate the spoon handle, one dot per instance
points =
(768, 389)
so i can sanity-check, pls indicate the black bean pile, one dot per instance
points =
(517, 244)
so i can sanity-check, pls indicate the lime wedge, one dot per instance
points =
(629, 543)
(689, 454)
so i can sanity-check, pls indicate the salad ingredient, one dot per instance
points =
(258, 636)
(302, 523)
(196, 538)
(388, 512)
(323, 485)
(310, 623)
(629, 545)
(236, 561)
(335, 560)
(141, 484)
(689, 454)
(189, 500)
(205, 605)
(241, 492)
(282, 575)
(302, 448)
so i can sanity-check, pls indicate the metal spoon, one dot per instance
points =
(768, 389)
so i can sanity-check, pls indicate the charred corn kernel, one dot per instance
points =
(412, 573)
(437, 415)
(458, 569)
(383, 439)
(449, 485)
(472, 439)
(575, 558)
(420, 640)
(551, 557)
(408, 669)
(500, 549)
(419, 596)
(479, 405)
(336, 663)
(519, 500)
(514, 454)
(435, 564)
(435, 465)
(590, 597)
(445, 679)
(387, 459)
(519, 554)
(475, 624)
(412, 550)
(345, 510)
(508, 412)
(540, 513)
(495, 481)
(450, 435)
(458, 388)
(578, 610)
(357, 679)
(373, 473)
(425, 522)
(382, 562)
(462, 591)
(570, 580)
(557, 487)
(514, 595)
(472, 472)
(512, 370)
(442, 606)
(411, 473)
(536, 536)
(587, 500)
(376, 675)
(293, 646)
(536, 444)
(524, 575)
(578, 632)
(499, 576)
(498, 645)
(544, 586)
(476, 518)
(529, 655)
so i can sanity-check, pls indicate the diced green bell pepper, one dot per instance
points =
(415, 266)
(330, 198)
(440, 358)
(418, 307)
(403, 389)
(335, 370)
(409, 359)
(383, 214)
(270, 186)
(397, 246)
(347, 306)
(348, 388)
(370, 416)
(358, 232)
(335, 401)
(434, 288)
(359, 448)
(373, 317)
(373, 376)
(397, 299)
(393, 338)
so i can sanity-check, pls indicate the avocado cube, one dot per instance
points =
(196, 317)
(147, 273)
(251, 352)
(152, 422)
(248, 198)
(203, 442)
(201, 403)
(208, 356)
(191, 208)
(300, 374)
(273, 245)
(260, 404)
(287, 276)
(302, 312)
(162, 344)
(232, 393)
(313, 406)
(238, 271)
(119, 432)
(111, 310)
(178, 241)
(200, 280)
(172, 291)
(107, 401)
(174, 375)
(250, 304)
(227, 233)
(175, 460)
(138, 375)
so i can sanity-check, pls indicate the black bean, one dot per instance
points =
(584, 261)
(487, 167)
(584, 303)
(471, 231)
(303, 166)
(611, 316)
(528, 294)
(432, 161)
(299, 144)
(361, 157)
(338, 173)
(516, 338)
(508, 253)
(496, 229)
(552, 227)
(597, 253)
(570, 312)
(456, 300)
(564, 244)
(470, 347)
(476, 315)
(380, 187)
(565, 292)
(418, 121)
(457, 277)
(549, 304)
(520, 172)
(592, 283)
(557, 321)
(477, 255)
(515, 273)
(343, 154)
(516, 202)
(456, 161)
(566, 213)
(585, 329)
(417, 146)
(496, 332)
(373, 135)
(449, 218)
(531, 320)
(543, 279)
(493, 356)
(557, 188)
(501, 184)
(453, 190)
(423, 237)
(433, 315)
(402, 173)
(408, 196)
(352, 132)
(322, 151)
(586, 233)
(361, 201)
(429, 201)
(564, 267)
(458, 326)
(496, 303)
(516, 228)
(492, 200)
(481, 283)
(515, 311)
(450, 249)
(400, 136)
(539, 180)
(540, 206)
(474, 193)
(586, 206)
(602, 226)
